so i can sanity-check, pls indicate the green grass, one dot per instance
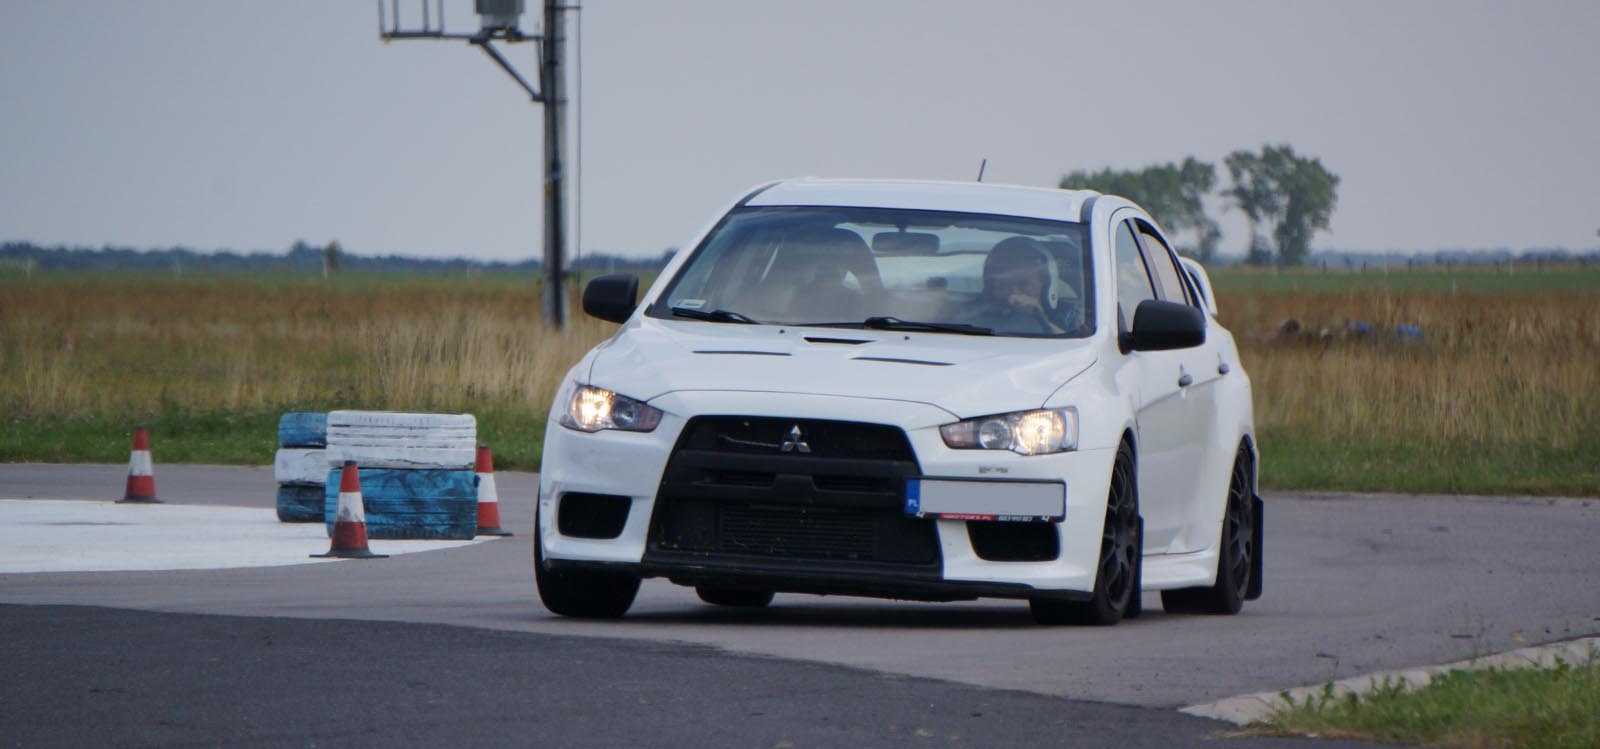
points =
(226, 438)
(1304, 462)
(1554, 708)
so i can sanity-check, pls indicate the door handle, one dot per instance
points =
(1186, 380)
(1223, 368)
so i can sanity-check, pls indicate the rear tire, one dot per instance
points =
(1117, 578)
(735, 597)
(583, 594)
(1236, 557)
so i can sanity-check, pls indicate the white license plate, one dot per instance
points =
(975, 499)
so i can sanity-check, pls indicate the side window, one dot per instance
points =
(1199, 289)
(1133, 278)
(1166, 271)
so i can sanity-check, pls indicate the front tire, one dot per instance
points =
(583, 594)
(1117, 578)
(1237, 557)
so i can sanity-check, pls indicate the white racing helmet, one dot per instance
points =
(1014, 253)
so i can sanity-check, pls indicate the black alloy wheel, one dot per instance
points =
(1238, 553)
(1117, 577)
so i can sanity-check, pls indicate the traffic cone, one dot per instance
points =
(141, 473)
(350, 520)
(488, 496)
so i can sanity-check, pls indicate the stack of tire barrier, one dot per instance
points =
(301, 467)
(416, 472)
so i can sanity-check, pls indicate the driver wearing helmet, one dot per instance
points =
(1019, 290)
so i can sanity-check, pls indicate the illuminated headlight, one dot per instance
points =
(1047, 430)
(591, 409)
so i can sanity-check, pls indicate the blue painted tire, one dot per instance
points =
(300, 504)
(399, 504)
(303, 430)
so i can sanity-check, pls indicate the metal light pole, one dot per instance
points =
(500, 22)
(551, 71)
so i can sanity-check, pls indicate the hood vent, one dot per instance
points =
(893, 360)
(746, 353)
(845, 341)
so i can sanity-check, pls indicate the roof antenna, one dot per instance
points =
(981, 167)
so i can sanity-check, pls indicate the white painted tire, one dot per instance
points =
(404, 438)
(299, 466)
(367, 456)
(396, 419)
(387, 439)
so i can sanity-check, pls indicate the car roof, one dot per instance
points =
(966, 197)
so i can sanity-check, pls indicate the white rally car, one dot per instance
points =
(916, 390)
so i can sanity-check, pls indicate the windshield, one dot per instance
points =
(889, 268)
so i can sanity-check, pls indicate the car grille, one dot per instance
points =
(808, 535)
(731, 492)
(740, 435)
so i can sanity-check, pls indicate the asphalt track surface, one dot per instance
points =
(1354, 584)
(139, 678)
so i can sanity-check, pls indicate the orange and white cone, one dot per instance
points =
(488, 496)
(350, 520)
(141, 472)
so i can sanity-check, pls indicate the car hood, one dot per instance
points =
(965, 375)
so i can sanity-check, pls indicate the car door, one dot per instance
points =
(1195, 455)
(1160, 412)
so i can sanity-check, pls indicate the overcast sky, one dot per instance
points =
(252, 124)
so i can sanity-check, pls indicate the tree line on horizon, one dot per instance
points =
(1287, 198)
(301, 257)
(27, 258)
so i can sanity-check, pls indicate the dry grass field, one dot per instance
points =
(1501, 393)
(214, 361)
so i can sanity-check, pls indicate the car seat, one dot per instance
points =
(810, 278)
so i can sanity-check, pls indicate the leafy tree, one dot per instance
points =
(1172, 193)
(331, 255)
(1288, 195)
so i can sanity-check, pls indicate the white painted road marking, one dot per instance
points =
(51, 535)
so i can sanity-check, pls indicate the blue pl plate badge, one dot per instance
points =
(913, 497)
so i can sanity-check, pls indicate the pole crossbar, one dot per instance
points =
(482, 36)
(391, 35)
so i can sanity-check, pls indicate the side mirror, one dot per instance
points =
(611, 298)
(1162, 326)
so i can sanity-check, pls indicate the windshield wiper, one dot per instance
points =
(895, 323)
(716, 315)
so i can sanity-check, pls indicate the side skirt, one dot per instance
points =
(1196, 569)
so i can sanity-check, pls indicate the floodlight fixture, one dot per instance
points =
(500, 15)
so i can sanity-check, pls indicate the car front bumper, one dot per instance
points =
(577, 466)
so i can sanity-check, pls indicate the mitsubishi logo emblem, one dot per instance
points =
(796, 442)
